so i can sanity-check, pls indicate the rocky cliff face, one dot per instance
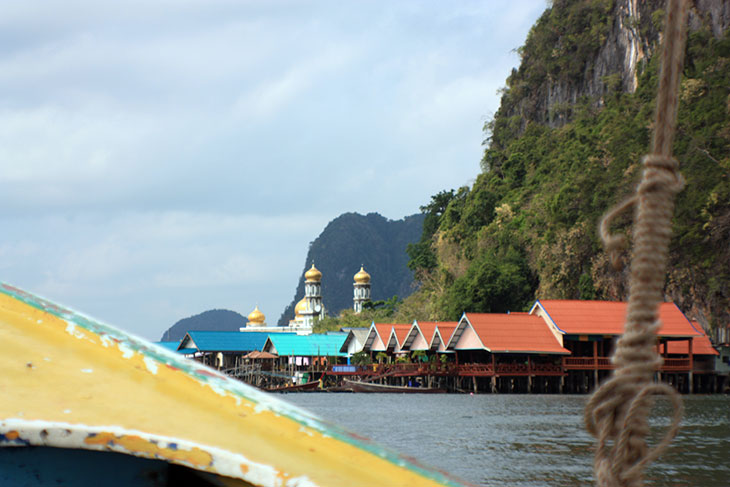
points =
(631, 35)
(574, 121)
(351, 240)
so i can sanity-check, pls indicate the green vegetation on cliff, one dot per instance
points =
(527, 227)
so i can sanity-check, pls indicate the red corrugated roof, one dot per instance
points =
(445, 330)
(401, 331)
(607, 317)
(700, 345)
(427, 330)
(383, 330)
(514, 333)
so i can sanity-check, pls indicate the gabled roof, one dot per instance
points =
(358, 335)
(506, 333)
(375, 341)
(225, 341)
(575, 317)
(425, 330)
(306, 345)
(398, 332)
(168, 345)
(442, 335)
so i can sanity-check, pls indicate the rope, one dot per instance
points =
(617, 413)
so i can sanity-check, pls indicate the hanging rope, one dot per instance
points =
(617, 413)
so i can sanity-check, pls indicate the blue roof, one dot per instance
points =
(308, 345)
(168, 345)
(226, 341)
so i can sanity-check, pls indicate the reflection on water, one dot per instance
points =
(524, 440)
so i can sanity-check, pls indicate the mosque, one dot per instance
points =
(310, 308)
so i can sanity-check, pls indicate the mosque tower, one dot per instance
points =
(362, 289)
(313, 296)
(256, 318)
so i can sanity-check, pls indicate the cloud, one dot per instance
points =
(159, 159)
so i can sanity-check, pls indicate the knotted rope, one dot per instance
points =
(617, 413)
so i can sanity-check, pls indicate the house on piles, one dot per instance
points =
(515, 352)
(354, 341)
(222, 349)
(589, 330)
(301, 353)
(386, 338)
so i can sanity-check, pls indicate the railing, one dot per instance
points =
(546, 369)
(474, 370)
(587, 363)
(604, 363)
(675, 364)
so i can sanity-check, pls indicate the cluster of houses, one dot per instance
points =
(558, 346)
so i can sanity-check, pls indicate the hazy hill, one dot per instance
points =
(351, 240)
(565, 146)
(212, 320)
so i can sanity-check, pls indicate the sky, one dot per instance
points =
(161, 158)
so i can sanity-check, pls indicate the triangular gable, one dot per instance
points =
(465, 337)
(350, 339)
(355, 341)
(187, 342)
(422, 335)
(374, 341)
(269, 347)
(413, 333)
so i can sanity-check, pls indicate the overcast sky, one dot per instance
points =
(162, 158)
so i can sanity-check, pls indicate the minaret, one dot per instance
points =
(313, 295)
(362, 289)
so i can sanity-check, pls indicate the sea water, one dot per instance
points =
(524, 440)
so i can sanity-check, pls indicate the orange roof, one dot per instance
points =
(401, 331)
(700, 345)
(607, 317)
(386, 330)
(445, 330)
(383, 330)
(427, 329)
(514, 333)
(424, 328)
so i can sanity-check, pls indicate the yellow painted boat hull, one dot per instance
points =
(69, 381)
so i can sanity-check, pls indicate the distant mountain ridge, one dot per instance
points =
(212, 320)
(352, 240)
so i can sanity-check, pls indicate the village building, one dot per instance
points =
(301, 355)
(354, 341)
(361, 291)
(221, 349)
(513, 346)
(589, 330)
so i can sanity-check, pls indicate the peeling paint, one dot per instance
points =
(87, 371)
(71, 330)
(113, 438)
(268, 458)
(139, 446)
(126, 351)
(151, 365)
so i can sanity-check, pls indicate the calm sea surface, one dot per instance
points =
(523, 440)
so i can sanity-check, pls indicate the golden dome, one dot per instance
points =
(256, 317)
(362, 277)
(313, 275)
(300, 307)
